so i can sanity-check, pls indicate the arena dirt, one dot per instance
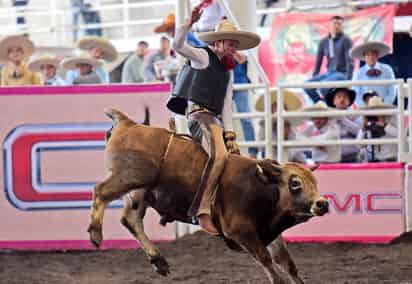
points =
(199, 258)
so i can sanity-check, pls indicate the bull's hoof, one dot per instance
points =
(160, 265)
(96, 236)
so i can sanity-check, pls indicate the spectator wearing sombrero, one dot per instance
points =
(379, 126)
(168, 27)
(321, 129)
(203, 91)
(100, 49)
(16, 50)
(85, 66)
(370, 52)
(291, 102)
(342, 98)
(47, 65)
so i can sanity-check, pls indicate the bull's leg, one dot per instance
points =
(281, 256)
(132, 218)
(113, 187)
(250, 243)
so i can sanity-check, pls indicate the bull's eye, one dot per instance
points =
(295, 184)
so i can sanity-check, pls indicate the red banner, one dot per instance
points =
(290, 54)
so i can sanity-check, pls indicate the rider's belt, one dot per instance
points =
(192, 108)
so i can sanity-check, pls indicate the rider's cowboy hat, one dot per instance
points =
(16, 41)
(225, 29)
(167, 24)
(381, 48)
(89, 42)
(71, 62)
(45, 59)
(332, 92)
(291, 101)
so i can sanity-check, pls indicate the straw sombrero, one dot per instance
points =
(358, 52)
(377, 102)
(89, 42)
(45, 59)
(71, 62)
(167, 24)
(332, 92)
(319, 106)
(291, 101)
(225, 29)
(16, 41)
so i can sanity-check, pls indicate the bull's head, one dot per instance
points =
(297, 187)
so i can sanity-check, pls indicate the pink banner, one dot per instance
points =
(366, 204)
(290, 54)
(53, 141)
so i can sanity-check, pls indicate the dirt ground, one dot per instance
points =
(199, 258)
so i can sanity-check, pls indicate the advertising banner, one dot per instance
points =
(53, 140)
(290, 54)
(365, 201)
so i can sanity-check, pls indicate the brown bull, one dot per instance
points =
(255, 201)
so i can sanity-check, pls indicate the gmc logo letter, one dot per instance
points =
(370, 203)
(22, 179)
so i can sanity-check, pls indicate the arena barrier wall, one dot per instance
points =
(52, 140)
(366, 204)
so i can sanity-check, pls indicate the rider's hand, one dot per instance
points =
(196, 14)
(230, 141)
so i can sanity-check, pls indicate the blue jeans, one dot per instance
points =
(241, 100)
(20, 19)
(328, 76)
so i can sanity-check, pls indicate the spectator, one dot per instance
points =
(162, 55)
(91, 16)
(321, 129)
(291, 102)
(16, 50)
(20, 4)
(168, 27)
(335, 47)
(85, 66)
(370, 52)
(241, 99)
(99, 49)
(77, 7)
(133, 69)
(380, 126)
(47, 66)
(367, 96)
(342, 99)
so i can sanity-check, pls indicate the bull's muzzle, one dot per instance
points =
(320, 207)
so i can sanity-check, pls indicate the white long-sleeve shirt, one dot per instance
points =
(199, 59)
(349, 128)
(330, 131)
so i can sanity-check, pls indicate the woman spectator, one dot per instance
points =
(16, 50)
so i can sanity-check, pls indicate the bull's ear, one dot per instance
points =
(268, 171)
(314, 167)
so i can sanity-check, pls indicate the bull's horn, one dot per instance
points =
(314, 167)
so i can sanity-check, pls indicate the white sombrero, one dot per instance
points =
(225, 29)
(89, 42)
(45, 59)
(359, 51)
(291, 101)
(377, 102)
(71, 62)
(16, 41)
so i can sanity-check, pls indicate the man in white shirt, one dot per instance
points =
(203, 91)
(322, 129)
(47, 66)
(343, 98)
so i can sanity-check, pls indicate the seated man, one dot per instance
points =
(380, 126)
(85, 67)
(335, 47)
(47, 66)
(291, 102)
(343, 98)
(15, 50)
(370, 52)
(321, 129)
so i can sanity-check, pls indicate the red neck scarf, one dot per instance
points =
(228, 62)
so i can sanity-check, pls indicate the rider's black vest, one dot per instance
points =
(205, 87)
